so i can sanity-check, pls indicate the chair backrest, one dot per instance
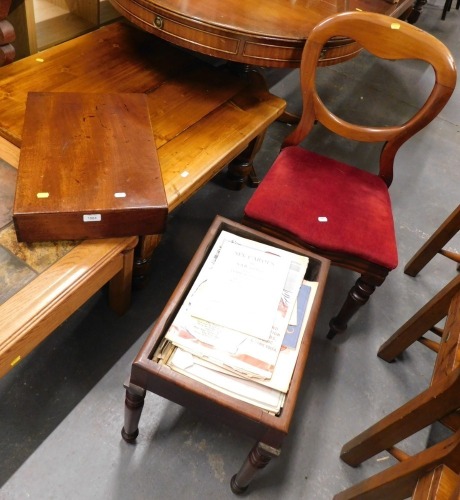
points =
(387, 38)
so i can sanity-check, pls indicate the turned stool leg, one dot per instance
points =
(134, 402)
(257, 459)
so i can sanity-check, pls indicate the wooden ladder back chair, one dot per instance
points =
(337, 210)
(439, 402)
(439, 464)
(434, 245)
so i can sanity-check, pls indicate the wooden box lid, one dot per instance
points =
(88, 168)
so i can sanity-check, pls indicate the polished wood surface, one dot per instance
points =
(271, 33)
(202, 116)
(88, 168)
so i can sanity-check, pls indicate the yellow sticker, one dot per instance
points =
(16, 360)
(43, 195)
(395, 26)
(39, 59)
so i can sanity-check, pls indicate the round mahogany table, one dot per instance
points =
(267, 33)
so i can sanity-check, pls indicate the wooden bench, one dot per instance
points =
(203, 117)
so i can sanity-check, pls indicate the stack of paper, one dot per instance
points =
(239, 329)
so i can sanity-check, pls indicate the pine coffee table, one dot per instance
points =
(203, 117)
(150, 373)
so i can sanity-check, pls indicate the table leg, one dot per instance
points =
(143, 257)
(257, 459)
(121, 284)
(134, 402)
(241, 170)
(416, 11)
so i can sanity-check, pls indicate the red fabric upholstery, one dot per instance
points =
(302, 186)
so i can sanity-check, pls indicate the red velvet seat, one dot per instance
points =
(328, 204)
(338, 210)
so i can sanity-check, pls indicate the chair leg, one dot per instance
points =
(446, 231)
(428, 407)
(430, 314)
(356, 298)
(398, 482)
(446, 9)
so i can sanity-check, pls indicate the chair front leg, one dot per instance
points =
(356, 298)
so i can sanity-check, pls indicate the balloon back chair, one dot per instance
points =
(337, 210)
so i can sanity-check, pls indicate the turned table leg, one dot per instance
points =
(143, 258)
(134, 402)
(257, 459)
(240, 171)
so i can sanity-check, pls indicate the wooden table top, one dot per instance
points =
(270, 33)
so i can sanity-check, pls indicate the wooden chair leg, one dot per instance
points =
(258, 458)
(398, 482)
(435, 310)
(134, 403)
(356, 298)
(446, 8)
(426, 408)
(446, 231)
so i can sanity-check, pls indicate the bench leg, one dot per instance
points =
(257, 459)
(134, 403)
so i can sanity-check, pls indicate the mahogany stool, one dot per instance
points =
(267, 429)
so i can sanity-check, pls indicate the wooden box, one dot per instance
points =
(88, 168)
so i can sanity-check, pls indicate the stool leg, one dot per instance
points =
(134, 402)
(257, 459)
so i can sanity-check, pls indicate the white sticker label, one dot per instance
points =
(92, 218)
(322, 219)
(120, 195)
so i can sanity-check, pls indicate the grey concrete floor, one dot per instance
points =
(61, 409)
